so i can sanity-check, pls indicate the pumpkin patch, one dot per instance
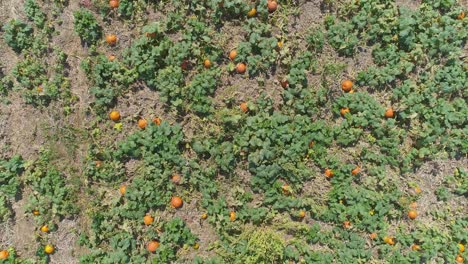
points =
(233, 131)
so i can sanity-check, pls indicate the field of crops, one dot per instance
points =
(233, 131)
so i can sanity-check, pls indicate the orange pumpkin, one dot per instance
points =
(207, 64)
(252, 12)
(232, 54)
(152, 246)
(123, 190)
(148, 219)
(111, 39)
(176, 202)
(114, 116)
(243, 106)
(232, 216)
(157, 121)
(344, 111)
(356, 170)
(412, 214)
(347, 86)
(114, 3)
(142, 123)
(4, 254)
(272, 6)
(241, 68)
(389, 113)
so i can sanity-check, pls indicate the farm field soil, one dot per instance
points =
(233, 131)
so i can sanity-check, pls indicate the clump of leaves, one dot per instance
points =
(18, 35)
(34, 13)
(259, 246)
(10, 172)
(109, 80)
(87, 27)
(50, 195)
(5, 83)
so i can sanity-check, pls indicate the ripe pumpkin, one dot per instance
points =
(417, 190)
(150, 35)
(98, 163)
(148, 219)
(111, 39)
(176, 179)
(152, 246)
(4, 254)
(243, 106)
(176, 202)
(123, 190)
(347, 86)
(114, 3)
(459, 259)
(204, 216)
(461, 248)
(207, 64)
(412, 214)
(286, 189)
(346, 225)
(301, 214)
(389, 240)
(356, 170)
(49, 249)
(272, 6)
(389, 113)
(329, 173)
(232, 54)
(284, 83)
(157, 121)
(241, 68)
(415, 247)
(114, 115)
(142, 123)
(36, 212)
(280, 44)
(461, 15)
(344, 111)
(252, 12)
(373, 236)
(232, 216)
(45, 228)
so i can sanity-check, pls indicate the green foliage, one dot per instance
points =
(50, 193)
(258, 246)
(5, 83)
(87, 27)
(10, 172)
(266, 164)
(18, 35)
(259, 49)
(176, 234)
(341, 37)
(159, 149)
(109, 80)
(315, 40)
(34, 13)
(32, 77)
